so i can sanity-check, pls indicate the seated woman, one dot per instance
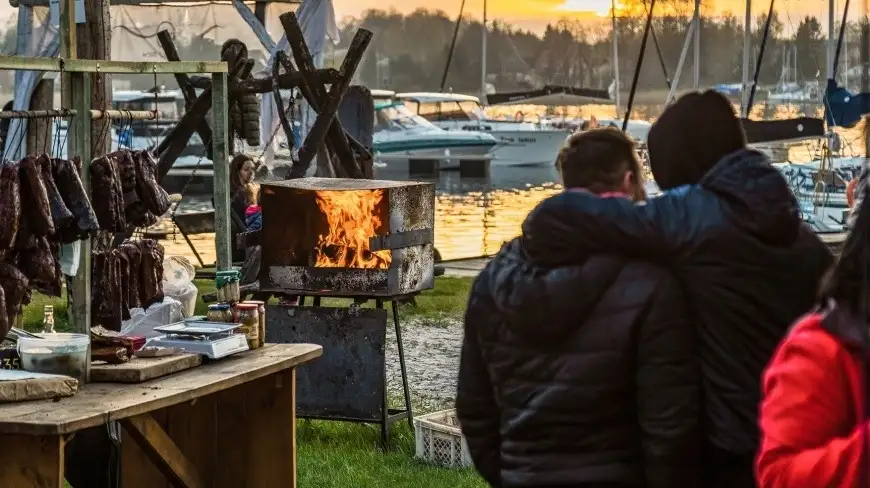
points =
(815, 412)
(243, 193)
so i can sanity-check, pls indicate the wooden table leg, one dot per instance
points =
(31, 461)
(271, 424)
(162, 451)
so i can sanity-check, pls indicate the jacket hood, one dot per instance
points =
(543, 305)
(758, 198)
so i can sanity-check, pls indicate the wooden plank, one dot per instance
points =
(162, 451)
(193, 428)
(271, 422)
(138, 369)
(98, 403)
(221, 189)
(115, 67)
(24, 390)
(31, 461)
(137, 470)
(230, 430)
(39, 133)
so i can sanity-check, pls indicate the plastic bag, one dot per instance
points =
(70, 256)
(142, 322)
(178, 276)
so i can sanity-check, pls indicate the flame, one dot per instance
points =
(353, 219)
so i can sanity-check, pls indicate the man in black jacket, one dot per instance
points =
(584, 375)
(730, 228)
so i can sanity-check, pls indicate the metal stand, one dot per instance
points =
(327, 406)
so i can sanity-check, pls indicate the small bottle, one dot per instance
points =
(48, 319)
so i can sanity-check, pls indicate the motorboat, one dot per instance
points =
(400, 135)
(523, 143)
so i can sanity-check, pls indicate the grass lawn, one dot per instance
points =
(347, 455)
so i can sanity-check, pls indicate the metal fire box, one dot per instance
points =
(347, 237)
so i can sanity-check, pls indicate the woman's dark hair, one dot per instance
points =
(847, 282)
(235, 171)
(691, 136)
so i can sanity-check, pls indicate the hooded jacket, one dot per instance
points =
(737, 245)
(579, 376)
(814, 417)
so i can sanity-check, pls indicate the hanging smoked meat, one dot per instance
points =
(133, 254)
(106, 302)
(5, 322)
(85, 224)
(10, 204)
(135, 211)
(60, 214)
(152, 194)
(34, 199)
(15, 288)
(151, 273)
(107, 191)
(41, 267)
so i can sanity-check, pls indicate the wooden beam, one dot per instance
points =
(94, 42)
(220, 165)
(39, 133)
(44, 3)
(162, 451)
(117, 67)
(332, 101)
(183, 80)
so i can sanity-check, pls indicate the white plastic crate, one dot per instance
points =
(440, 440)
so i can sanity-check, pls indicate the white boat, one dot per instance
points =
(400, 136)
(795, 93)
(522, 143)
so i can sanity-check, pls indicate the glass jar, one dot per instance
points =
(261, 311)
(219, 312)
(249, 318)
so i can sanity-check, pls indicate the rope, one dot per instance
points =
(637, 68)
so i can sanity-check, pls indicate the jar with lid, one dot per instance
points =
(249, 317)
(261, 311)
(219, 312)
(227, 283)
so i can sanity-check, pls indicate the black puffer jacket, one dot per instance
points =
(736, 243)
(576, 376)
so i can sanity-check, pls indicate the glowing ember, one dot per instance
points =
(352, 218)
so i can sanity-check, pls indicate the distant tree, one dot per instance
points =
(810, 44)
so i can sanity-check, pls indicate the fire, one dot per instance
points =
(353, 219)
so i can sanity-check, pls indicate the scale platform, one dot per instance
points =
(214, 340)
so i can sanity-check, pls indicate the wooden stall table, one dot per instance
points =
(231, 423)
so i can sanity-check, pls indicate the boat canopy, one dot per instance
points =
(789, 130)
(552, 95)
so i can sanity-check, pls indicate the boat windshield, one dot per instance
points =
(398, 117)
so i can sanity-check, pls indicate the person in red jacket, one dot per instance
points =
(815, 414)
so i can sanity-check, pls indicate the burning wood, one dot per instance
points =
(352, 219)
(347, 236)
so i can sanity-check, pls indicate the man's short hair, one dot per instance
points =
(597, 160)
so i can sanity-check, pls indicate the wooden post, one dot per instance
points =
(94, 42)
(222, 238)
(39, 133)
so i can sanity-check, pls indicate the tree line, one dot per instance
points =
(409, 51)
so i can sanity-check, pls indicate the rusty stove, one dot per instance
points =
(347, 237)
(363, 239)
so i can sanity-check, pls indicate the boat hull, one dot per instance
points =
(527, 148)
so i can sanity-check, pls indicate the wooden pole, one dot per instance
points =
(39, 133)
(223, 239)
(94, 42)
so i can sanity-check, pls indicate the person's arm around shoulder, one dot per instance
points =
(669, 391)
(805, 402)
(476, 405)
(664, 227)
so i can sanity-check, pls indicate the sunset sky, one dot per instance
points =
(534, 14)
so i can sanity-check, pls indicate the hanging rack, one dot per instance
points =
(77, 102)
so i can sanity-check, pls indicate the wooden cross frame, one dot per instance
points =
(353, 159)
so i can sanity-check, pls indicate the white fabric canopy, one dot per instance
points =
(318, 23)
(41, 40)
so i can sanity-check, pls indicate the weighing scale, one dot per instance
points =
(212, 339)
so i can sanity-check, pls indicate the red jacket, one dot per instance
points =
(812, 418)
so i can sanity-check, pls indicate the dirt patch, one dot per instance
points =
(432, 347)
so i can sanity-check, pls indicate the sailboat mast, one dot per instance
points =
(615, 60)
(747, 49)
(832, 43)
(697, 46)
(483, 57)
